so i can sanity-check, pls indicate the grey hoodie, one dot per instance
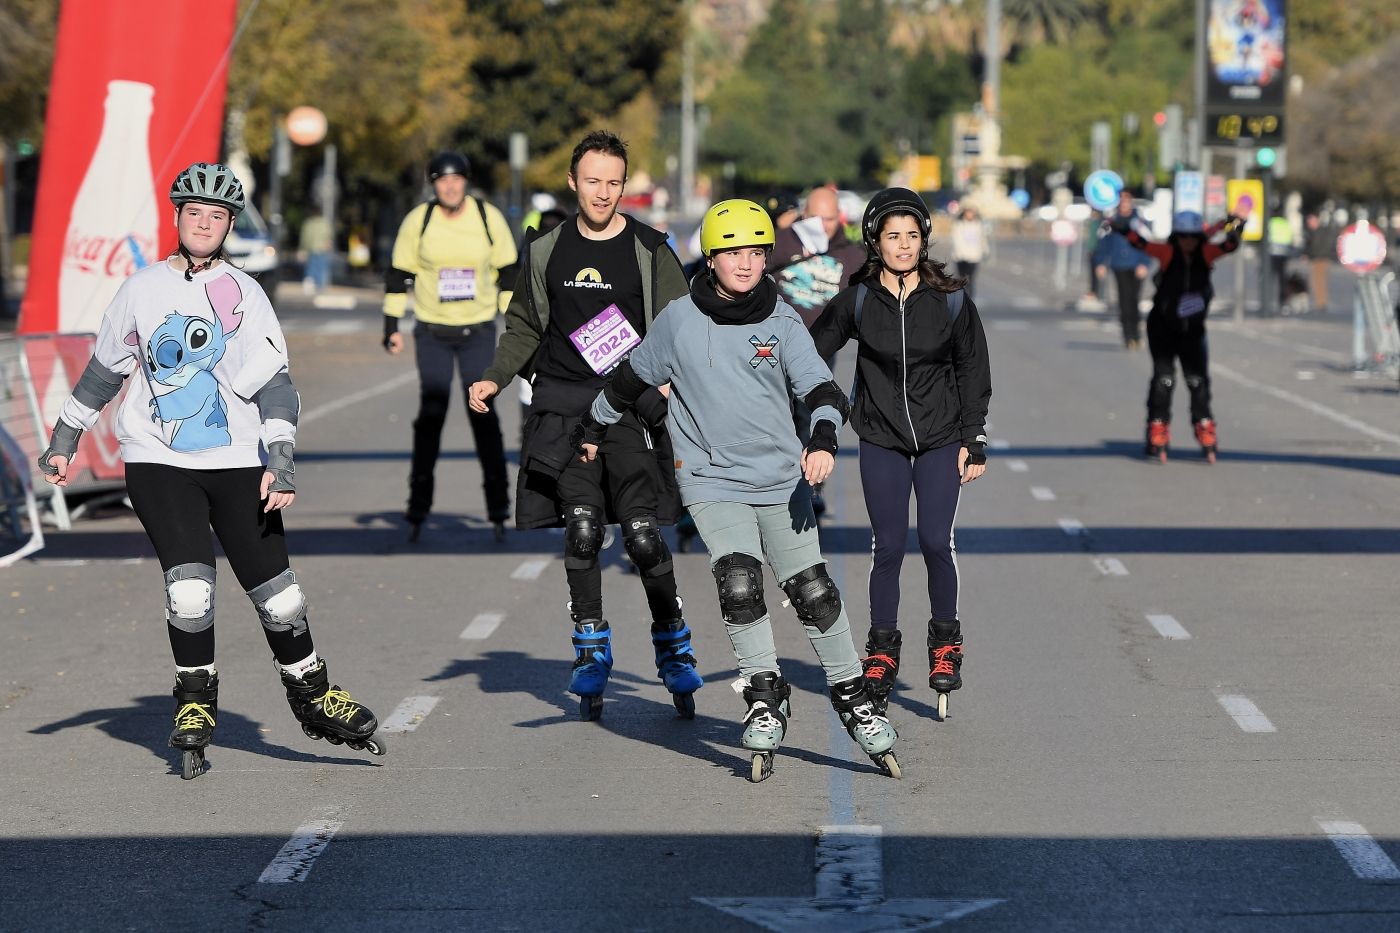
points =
(730, 413)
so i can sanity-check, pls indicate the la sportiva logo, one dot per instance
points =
(588, 278)
(764, 350)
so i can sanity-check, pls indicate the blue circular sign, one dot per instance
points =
(1101, 189)
(1021, 198)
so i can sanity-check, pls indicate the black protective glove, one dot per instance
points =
(823, 438)
(279, 464)
(589, 430)
(63, 443)
(976, 452)
(391, 327)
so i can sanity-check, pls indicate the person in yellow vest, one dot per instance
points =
(449, 252)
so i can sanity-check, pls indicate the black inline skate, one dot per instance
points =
(872, 732)
(945, 657)
(327, 712)
(196, 703)
(881, 664)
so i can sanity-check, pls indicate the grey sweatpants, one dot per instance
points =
(785, 536)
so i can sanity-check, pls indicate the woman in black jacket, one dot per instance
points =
(923, 383)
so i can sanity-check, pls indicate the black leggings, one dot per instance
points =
(183, 509)
(1170, 339)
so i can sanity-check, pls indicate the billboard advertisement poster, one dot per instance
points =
(1246, 60)
(129, 107)
(1245, 198)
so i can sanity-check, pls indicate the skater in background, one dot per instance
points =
(587, 292)
(969, 248)
(923, 384)
(213, 388)
(736, 358)
(1128, 263)
(1176, 326)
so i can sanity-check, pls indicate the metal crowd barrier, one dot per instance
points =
(1377, 344)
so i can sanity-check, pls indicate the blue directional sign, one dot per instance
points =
(1101, 189)
(1021, 198)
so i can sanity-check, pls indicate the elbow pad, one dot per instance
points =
(829, 393)
(278, 399)
(397, 281)
(97, 386)
(625, 387)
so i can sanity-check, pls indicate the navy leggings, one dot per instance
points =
(888, 477)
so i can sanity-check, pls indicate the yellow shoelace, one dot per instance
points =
(193, 715)
(337, 704)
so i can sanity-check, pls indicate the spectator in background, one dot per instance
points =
(315, 246)
(969, 247)
(1320, 244)
(1129, 266)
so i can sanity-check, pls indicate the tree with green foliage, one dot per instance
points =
(27, 30)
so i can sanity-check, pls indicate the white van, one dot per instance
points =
(250, 244)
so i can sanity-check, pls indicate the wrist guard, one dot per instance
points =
(823, 438)
(63, 443)
(391, 327)
(279, 464)
(976, 452)
(589, 430)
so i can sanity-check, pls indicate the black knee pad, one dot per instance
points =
(1166, 382)
(815, 597)
(1195, 382)
(740, 581)
(583, 536)
(646, 547)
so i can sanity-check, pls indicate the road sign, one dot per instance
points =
(1101, 189)
(306, 126)
(1021, 198)
(1361, 247)
(1189, 192)
(1063, 232)
(1245, 197)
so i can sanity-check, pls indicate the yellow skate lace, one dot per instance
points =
(337, 704)
(193, 715)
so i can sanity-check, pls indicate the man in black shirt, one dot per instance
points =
(586, 294)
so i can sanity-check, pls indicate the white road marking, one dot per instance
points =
(999, 443)
(293, 862)
(407, 716)
(339, 328)
(355, 398)
(1367, 859)
(1043, 493)
(1306, 375)
(334, 302)
(1308, 405)
(530, 569)
(1017, 466)
(849, 894)
(483, 625)
(1072, 526)
(1110, 567)
(1168, 627)
(1245, 714)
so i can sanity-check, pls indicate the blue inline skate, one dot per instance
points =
(593, 663)
(675, 664)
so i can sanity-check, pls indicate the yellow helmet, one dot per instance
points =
(735, 223)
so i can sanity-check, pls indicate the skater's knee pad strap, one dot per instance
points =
(1194, 382)
(740, 581)
(815, 597)
(1166, 382)
(189, 597)
(646, 547)
(281, 604)
(583, 536)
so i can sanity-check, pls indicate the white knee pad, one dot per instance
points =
(281, 604)
(189, 597)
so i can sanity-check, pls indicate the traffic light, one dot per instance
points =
(1160, 118)
(1265, 157)
(24, 148)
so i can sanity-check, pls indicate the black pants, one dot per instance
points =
(1129, 293)
(182, 510)
(439, 351)
(1170, 339)
(622, 481)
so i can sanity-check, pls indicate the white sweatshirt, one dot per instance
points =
(199, 352)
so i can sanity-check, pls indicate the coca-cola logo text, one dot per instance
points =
(106, 255)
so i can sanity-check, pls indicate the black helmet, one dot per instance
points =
(893, 201)
(447, 163)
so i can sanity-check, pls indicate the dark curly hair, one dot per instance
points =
(932, 273)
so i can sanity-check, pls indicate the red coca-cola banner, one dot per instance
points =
(137, 94)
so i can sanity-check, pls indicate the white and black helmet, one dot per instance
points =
(208, 183)
(893, 201)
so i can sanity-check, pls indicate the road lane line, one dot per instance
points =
(999, 443)
(355, 398)
(1367, 859)
(293, 862)
(849, 863)
(1245, 714)
(1110, 567)
(530, 569)
(407, 716)
(1308, 405)
(483, 625)
(1168, 627)
(1072, 526)
(1043, 493)
(1017, 466)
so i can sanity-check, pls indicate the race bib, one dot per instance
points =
(1191, 304)
(456, 285)
(606, 340)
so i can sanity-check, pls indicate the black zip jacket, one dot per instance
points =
(922, 380)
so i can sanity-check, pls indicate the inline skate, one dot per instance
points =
(327, 712)
(881, 664)
(593, 663)
(196, 703)
(945, 657)
(675, 664)
(765, 724)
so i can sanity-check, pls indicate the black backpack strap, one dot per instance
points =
(481, 209)
(860, 304)
(427, 216)
(955, 304)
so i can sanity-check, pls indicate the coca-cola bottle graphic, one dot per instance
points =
(114, 213)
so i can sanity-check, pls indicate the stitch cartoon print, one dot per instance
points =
(182, 354)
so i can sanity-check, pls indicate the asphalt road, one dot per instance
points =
(1178, 715)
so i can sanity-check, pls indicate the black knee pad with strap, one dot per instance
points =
(646, 547)
(815, 597)
(583, 536)
(740, 581)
